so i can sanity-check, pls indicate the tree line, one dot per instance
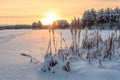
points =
(62, 24)
(104, 18)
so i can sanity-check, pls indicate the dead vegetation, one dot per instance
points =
(91, 46)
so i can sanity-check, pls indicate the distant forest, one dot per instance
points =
(102, 19)
(20, 26)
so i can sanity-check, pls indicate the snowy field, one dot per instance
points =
(13, 66)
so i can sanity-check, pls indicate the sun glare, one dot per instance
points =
(50, 18)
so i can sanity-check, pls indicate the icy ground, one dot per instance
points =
(13, 66)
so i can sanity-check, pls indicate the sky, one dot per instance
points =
(28, 11)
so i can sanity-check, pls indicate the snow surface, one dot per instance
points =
(13, 66)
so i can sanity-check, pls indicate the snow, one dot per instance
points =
(13, 66)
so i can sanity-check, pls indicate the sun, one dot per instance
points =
(51, 17)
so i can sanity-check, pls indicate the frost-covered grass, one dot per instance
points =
(13, 66)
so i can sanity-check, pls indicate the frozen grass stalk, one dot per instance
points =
(54, 42)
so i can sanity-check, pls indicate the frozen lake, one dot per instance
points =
(13, 66)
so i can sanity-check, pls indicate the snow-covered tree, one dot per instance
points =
(76, 23)
(88, 18)
(37, 24)
(60, 24)
(103, 18)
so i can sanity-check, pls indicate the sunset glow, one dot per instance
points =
(28, 11)
(49, 19)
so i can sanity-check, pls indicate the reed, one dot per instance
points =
(54, 41)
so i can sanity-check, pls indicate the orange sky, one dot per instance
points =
(28, 11)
